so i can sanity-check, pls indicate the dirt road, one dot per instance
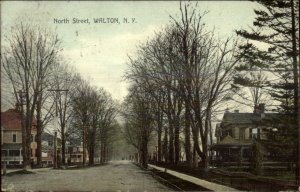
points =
(116, 176)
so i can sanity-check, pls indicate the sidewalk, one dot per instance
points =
(197, 181)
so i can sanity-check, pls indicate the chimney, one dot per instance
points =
(227, 110)
(260, 108)
(236, 111)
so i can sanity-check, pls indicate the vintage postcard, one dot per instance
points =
(150, 95)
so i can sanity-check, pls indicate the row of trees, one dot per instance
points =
(93, 120)
(45, 87)
(185, 73)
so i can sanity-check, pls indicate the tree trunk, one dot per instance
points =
(27, 137)
(92, 144)
(63, 144)
(176, 141)
(296, 85)
(187, 134)
(165, 146)
(159, 146)
(195, 157)
(144, 151)
(84, 146)
(159, 135)
(39, 127)
(24, 133)
(171, 143)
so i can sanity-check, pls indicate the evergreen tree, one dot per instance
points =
(271, 47)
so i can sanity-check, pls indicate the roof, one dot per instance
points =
(74, 141)
(11, 146)
(47, 137)
(248, 118)
(12, 120)
(46, 148)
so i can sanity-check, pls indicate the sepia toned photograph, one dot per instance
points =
(150, 96)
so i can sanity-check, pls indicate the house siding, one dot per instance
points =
(8, 136)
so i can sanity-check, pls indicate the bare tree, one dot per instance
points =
(194, 69)
(81, 104)
(27, 61)
(138, 116)
(64, 81)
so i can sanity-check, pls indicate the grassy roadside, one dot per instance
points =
(20, 172)
(244, 181)
(175, 182)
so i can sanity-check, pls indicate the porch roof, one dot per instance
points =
(228, 141)
(11, 146)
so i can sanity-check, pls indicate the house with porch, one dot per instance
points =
(74, 152)
(237, 133)
(11, 137)
(48, 148)
(11, 140)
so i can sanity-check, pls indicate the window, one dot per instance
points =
(44, 154)
(254, 133)
(14, 138)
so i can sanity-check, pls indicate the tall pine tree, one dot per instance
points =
(271, 47)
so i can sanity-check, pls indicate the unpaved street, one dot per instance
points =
(116, 176)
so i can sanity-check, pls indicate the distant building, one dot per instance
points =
(74, 153)
(48, 148)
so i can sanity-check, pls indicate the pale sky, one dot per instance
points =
(99, 51)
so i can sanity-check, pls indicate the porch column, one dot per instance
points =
(20, 162)
(241, 155)
(8, 156)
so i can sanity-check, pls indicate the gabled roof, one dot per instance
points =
(12, 120)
